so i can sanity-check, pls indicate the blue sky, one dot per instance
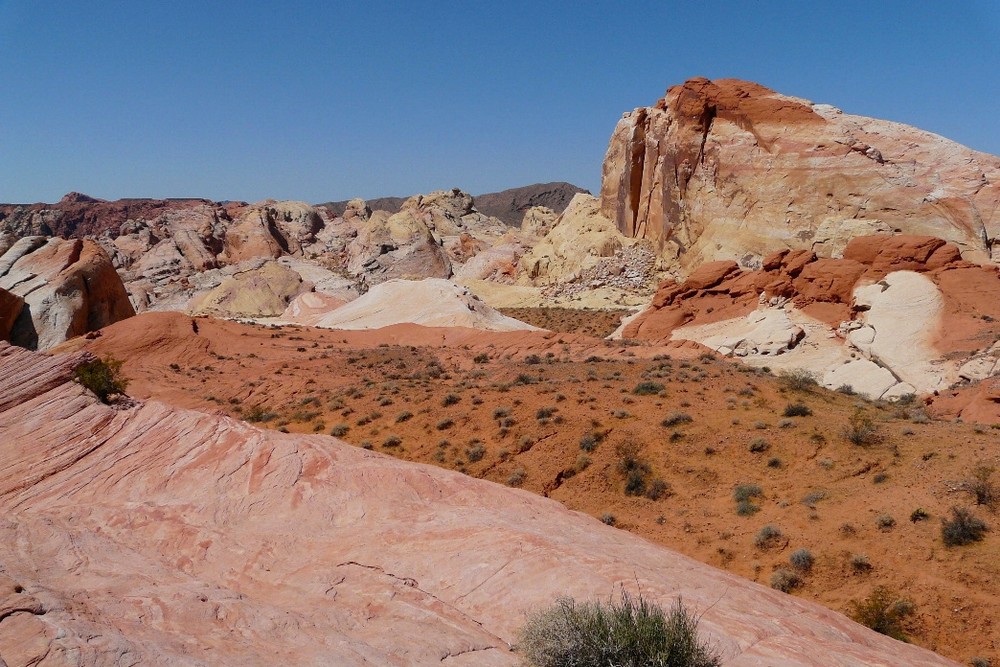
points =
(329, 100)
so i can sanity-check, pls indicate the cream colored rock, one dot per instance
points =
(863, 376)
(579, 238)
(397, 246)
(431, 302)
(537, 222)
(730, 170)
(766, 332)
(896, 334)
(264, 291)
(157, 536)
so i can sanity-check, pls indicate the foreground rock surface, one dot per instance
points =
(729, 169)
(160, 536)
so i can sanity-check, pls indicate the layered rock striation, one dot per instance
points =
(730, 170)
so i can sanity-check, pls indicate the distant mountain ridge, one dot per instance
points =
(507, 205)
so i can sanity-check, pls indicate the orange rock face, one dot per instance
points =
(728, 169)
(155, 535)
(66, 288)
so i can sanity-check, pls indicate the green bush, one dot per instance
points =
(103, 377)
(632, 632)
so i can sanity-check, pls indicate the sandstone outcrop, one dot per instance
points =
(153, 535)
(731, 170)
(578, 239)
(263, 289)
(431, 302)
(896, 315)
(54, 289)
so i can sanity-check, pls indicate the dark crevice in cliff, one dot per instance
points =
(636, 166)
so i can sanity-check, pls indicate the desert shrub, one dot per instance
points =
(608, 519)
(862, 431)
(658, 489)
(517, 477)
(589, 442)
(406, 415)
(392, 441)
(919, 515)
(475, 451)
(982, 487)
(883, 611)
(885, 522)
(774, 462)
(103, 377)
(532, 359)
(980, 662)
(259, 413)
(767, 537)
(746, 492)
(633, 466)
(846, 390)
(801, 559)
(647, 388)
(962, 528)
(445, 424)
(676, 419)
(860, 563)
(544, 413)
(746, 508)
(340, 430)
(450, 399)
(481, 358)
(632, 631)
(635, 483)
(799, 409)
(798, 380)
(759, 446)
(785, 580)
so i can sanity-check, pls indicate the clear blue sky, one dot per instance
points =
(320, 100)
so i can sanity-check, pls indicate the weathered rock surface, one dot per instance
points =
(730, 170)
(264, 290)
(432, 302)
(56, 289)
(152, 535)
(898, 314)
(579, 238)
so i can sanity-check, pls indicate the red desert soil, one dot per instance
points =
(520, 408)
(144, 534)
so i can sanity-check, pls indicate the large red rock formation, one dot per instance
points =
(152, 535)
(65, 288)
(728, 169)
